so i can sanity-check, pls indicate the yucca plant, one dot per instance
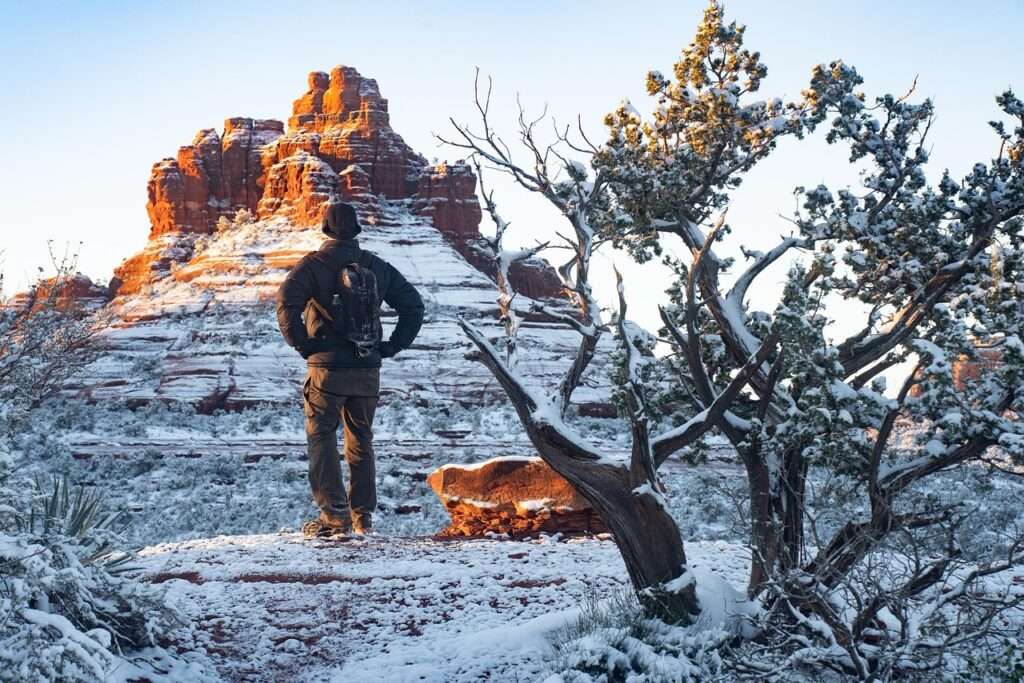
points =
(77, 514)
(66, 605)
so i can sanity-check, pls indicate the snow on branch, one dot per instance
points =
(668, 443)
(503, 260)
(575, 198)
(542, 422)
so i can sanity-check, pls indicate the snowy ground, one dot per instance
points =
(396, 609)
(182, 476)
(216, 500)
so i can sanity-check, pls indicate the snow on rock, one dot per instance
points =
(204, 331)
(193, 320)
(513, 495)
(275, 607)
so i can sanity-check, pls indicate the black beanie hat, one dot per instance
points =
(341, 222)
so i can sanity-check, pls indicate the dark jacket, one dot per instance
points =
(314, 277)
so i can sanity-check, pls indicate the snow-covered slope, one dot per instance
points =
(206, 334)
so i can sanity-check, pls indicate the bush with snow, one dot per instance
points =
(66, 610)
(613, 640)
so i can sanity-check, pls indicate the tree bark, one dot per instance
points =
(645, 533)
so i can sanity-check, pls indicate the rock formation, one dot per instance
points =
(339, 146)
(213, 177)
(76, 291)
(968, 370)
(233, 212)
(446, 193)
(515, 496)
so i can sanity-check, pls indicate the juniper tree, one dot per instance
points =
(625, 495)
(933, 270)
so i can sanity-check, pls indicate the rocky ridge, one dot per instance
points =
(339, 146)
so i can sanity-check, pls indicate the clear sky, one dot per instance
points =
(93, 93)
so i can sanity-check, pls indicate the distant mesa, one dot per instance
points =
(339, 146)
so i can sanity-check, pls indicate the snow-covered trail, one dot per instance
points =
(280, 608)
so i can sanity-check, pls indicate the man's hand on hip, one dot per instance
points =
(388, 349)
(313, 346)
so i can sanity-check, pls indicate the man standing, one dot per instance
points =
(323, 317)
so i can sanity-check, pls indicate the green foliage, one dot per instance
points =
(611, 641)
(1005, 667)
(78, 514)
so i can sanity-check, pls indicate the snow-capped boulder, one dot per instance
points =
(517, 496)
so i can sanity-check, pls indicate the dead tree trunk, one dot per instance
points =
(645, 533)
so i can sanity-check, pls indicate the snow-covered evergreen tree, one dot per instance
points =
(935, 272)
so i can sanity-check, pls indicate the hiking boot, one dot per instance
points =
(327, 525)
(363, 526)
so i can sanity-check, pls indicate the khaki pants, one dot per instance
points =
(345, 398)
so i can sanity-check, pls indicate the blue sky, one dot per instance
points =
(94, 92)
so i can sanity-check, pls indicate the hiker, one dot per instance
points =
(328, 309)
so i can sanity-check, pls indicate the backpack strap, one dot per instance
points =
(366, 259)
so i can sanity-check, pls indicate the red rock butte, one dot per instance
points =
(339, 146)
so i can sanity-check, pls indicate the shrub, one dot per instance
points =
(67, 608)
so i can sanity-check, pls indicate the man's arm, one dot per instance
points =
(292, 296)
(406, 301)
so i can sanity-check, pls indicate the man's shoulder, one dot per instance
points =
(375, 261)
(316, 257)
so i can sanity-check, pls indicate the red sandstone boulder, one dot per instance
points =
(514, 496)
(533, 277)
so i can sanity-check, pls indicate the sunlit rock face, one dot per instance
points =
(515, 496)
(339, 146)
(234, 211)
(966, 370)
(343, 119)
(212, 177)
(73, 292)
(970, 370)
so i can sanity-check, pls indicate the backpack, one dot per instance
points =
(354, 311)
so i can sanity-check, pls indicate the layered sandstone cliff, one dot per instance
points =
(193, 322)
(339, 146)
